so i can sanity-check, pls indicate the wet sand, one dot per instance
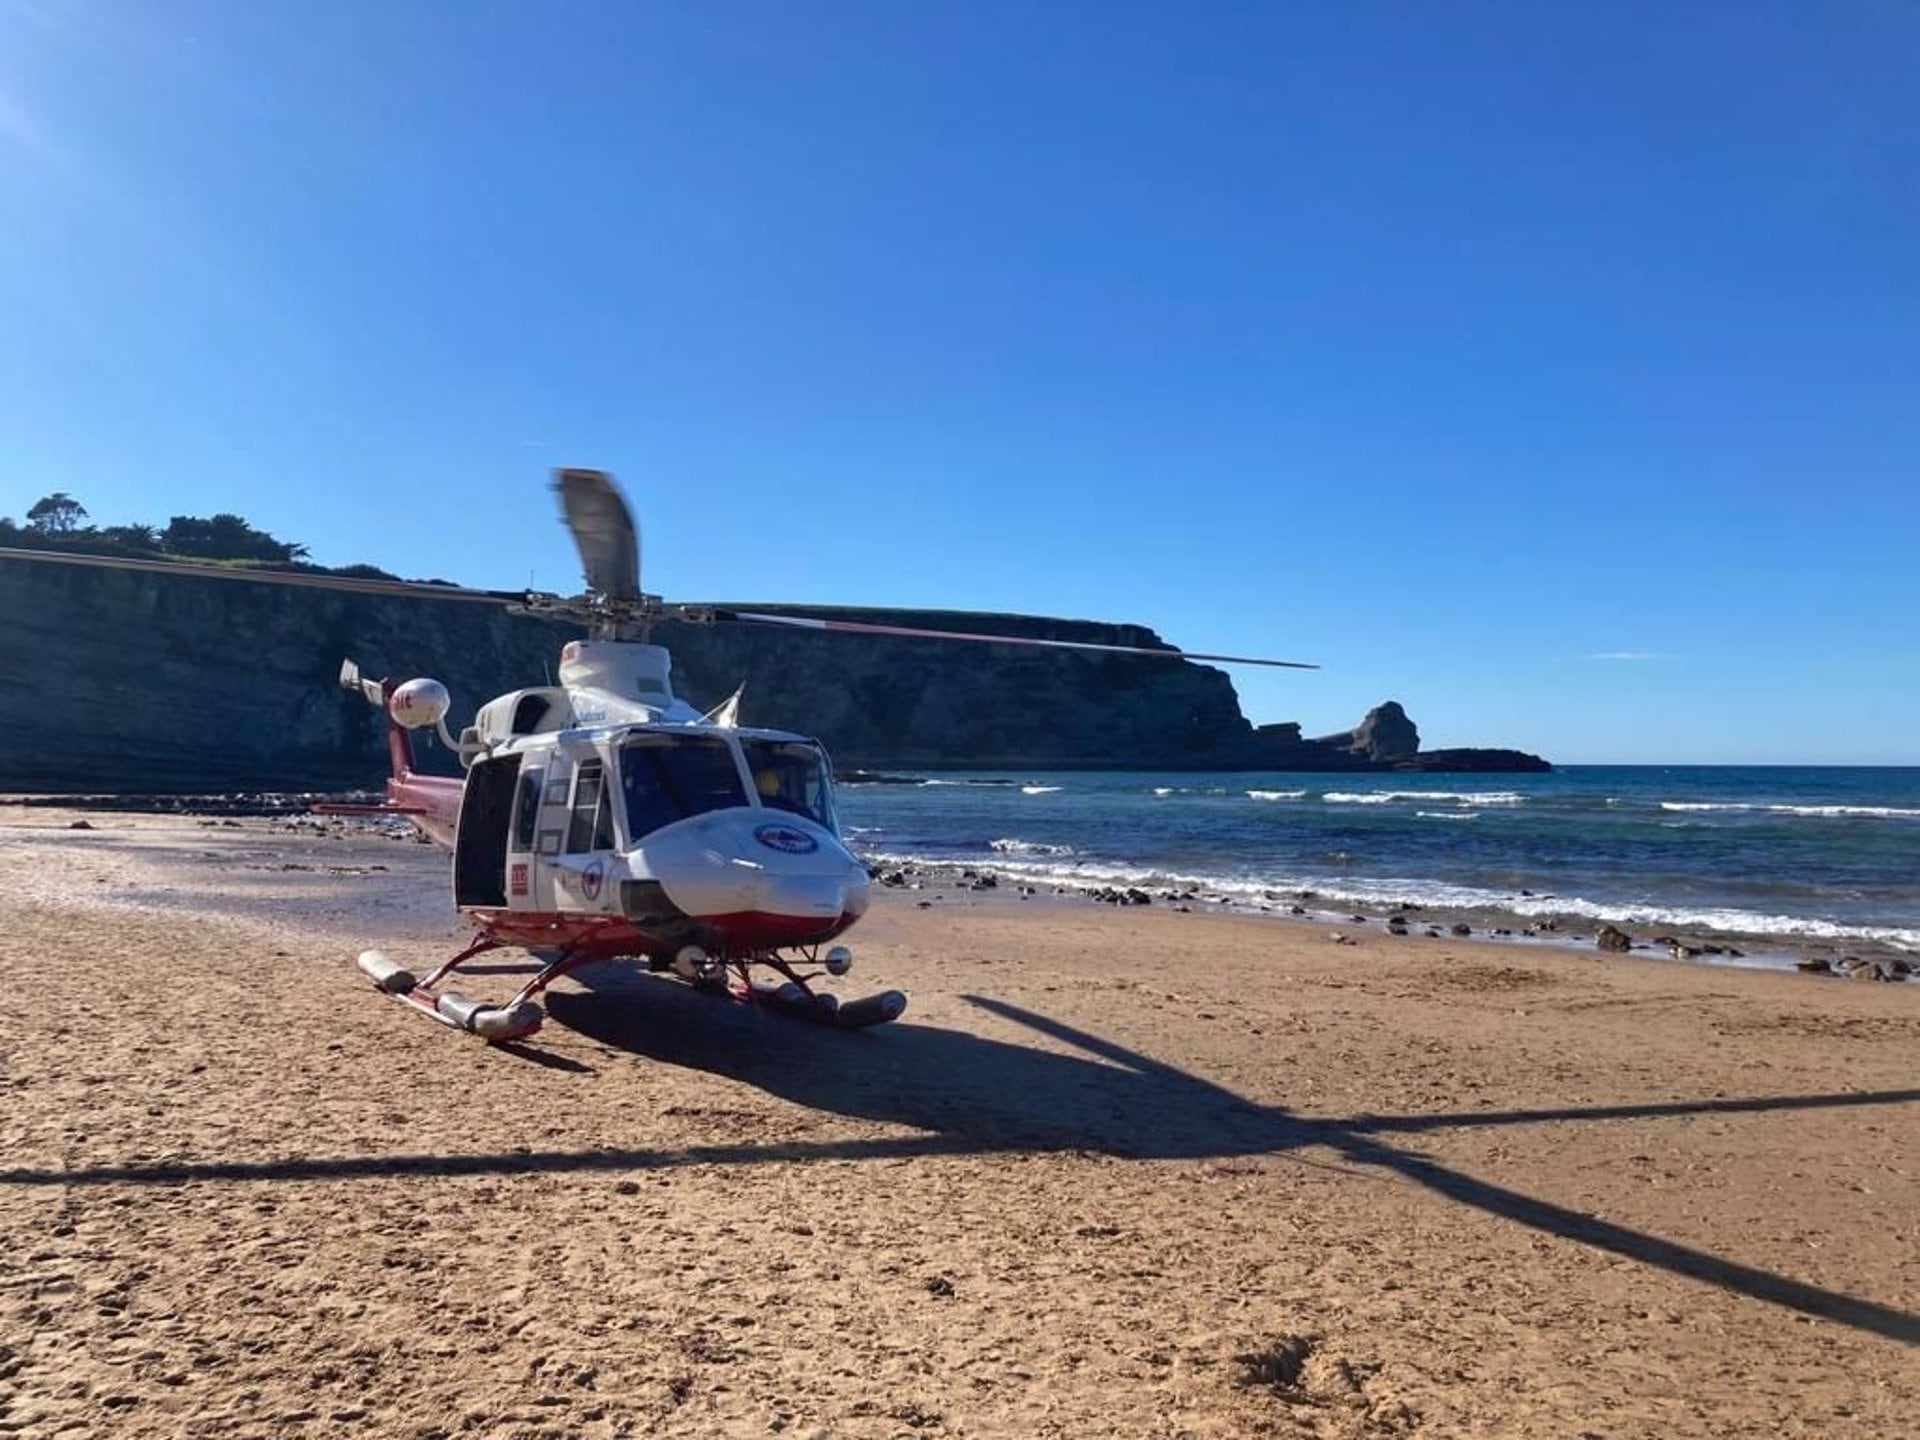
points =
(1118, 1172)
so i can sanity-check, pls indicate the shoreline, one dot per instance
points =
(1554, 931)
(1540, 927)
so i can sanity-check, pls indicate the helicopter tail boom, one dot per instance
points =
(431, 802)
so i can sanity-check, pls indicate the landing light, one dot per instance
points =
(839, 960)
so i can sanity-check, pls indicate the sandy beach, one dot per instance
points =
(1117, 1172)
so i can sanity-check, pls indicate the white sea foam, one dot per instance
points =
(1038, 789)
(1457, 797)
(1029, 847)
(1876, 812)
(1829, 812)
(1447, 814)
(1163, 789)
(1276, 794)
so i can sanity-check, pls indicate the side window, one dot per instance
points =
(603, 820)
(583, 822)
(526, 810)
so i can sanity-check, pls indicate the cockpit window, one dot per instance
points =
(665, 778)
(791, 775)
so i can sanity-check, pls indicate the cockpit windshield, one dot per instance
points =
(792, 775)
(665, 778)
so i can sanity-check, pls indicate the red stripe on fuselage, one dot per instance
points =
(761, 930)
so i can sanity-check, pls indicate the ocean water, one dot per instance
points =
(1828, 853)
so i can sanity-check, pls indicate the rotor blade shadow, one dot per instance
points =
(1748, 1280)
(1351, 1138)
(538, 1162)
(1653, 1110)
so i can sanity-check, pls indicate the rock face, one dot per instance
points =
(116, 680)
(1386, 735)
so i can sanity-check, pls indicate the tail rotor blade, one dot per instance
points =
(352, 679)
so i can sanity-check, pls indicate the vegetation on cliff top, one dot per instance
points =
(58, 522)
(227, 540)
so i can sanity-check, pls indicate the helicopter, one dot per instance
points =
(603, 817)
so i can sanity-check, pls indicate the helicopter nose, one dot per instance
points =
(742, 867)
(827, 883)
(812, 895)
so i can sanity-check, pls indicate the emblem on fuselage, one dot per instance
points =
(786, 839)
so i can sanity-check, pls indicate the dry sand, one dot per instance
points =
(1117, 1173)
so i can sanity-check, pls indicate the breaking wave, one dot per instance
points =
(1038, 789)
(1029, 847)
(1457, 797)
(1826, 812)
(1276, 794)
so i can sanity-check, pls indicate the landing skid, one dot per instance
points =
(516, 1020)
(522, 1015)
(822, 1009)
(792, 994)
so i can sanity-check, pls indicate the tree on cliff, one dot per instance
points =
(225, 537)
(56, 514)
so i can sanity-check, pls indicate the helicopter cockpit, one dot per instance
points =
(791, 775)
(666, 777)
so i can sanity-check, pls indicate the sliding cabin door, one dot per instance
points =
(480, 846)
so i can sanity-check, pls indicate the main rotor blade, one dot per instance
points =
(603, 531)
(858, 627)
(351, 584)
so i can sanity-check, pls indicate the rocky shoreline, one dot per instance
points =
(1854, 959)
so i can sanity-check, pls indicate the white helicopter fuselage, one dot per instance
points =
(623, 821)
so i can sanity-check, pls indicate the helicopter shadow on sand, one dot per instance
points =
(961, 1094)
(972, 1092)
(969, 1094)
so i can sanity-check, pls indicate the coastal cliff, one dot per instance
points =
(115, 680)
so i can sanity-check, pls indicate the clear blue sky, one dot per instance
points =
(1465, 348)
